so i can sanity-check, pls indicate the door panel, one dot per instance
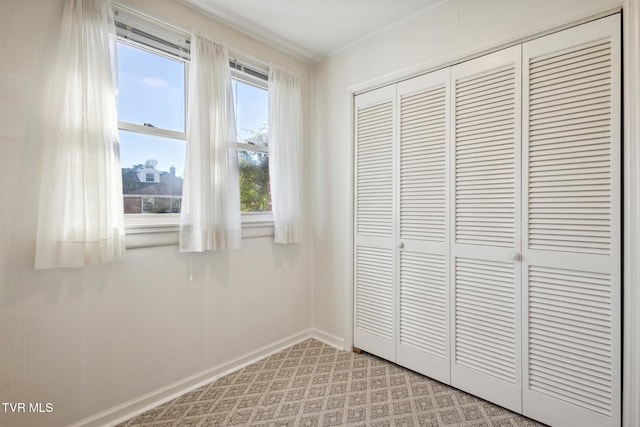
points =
(485, 199)
(374, 273)
(423, 106)
(572, 252)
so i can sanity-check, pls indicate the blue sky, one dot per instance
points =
(152, 90)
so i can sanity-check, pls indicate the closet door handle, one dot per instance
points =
(400, 245)
(515, 256)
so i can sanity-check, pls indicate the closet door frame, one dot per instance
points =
(631, 205)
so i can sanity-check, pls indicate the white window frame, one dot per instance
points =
(150, 230)
(252, 218)
(145, 221)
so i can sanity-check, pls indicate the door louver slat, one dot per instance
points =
(422, 165)
(485, 300)
(560, 191)
(423, 290)
(484, 159)
(374, 210)
(374, 287)
(570, 365)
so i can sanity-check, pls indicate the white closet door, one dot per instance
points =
(572, 248)
(485, 229)
(422, 294)
(375, 259)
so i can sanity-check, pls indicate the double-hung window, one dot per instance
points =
(152, 74)
(153, 66)
(251, 106)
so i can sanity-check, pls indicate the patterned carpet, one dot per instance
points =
(313, 384)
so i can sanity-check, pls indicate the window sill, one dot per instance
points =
(147, 231)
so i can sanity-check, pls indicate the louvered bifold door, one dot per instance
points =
(374, 293)
(572, 247)
(422, 294)
(485, 232)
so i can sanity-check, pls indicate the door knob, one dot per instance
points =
(400, 245)
(515, 256)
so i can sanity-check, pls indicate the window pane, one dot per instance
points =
(251, 110)
(151, 89)
(152, 171)
(254, 181)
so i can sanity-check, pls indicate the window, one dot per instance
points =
(153, 74)
(151, 115)
(148, 204)
(251, 110)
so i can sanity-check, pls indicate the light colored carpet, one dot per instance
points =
(313, 384)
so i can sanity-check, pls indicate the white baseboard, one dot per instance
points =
(327, 338)
(137, 406)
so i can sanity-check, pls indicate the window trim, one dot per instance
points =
(148, 232)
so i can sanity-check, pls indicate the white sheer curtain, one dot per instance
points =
(210, 218)
(80, 219)
(285, 154)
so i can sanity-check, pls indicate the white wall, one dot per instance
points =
(90, 339)
(449, 31)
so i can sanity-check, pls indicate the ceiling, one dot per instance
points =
(310, 29)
